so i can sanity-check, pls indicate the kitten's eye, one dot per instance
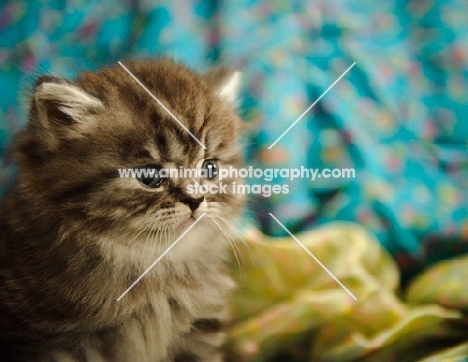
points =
(210, 168)
(149, 176)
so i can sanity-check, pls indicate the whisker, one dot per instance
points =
(248, 244)
(230, 241)
(136, 234)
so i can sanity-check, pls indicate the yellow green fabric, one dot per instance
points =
(287, 308)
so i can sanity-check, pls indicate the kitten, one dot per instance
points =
(75, 235)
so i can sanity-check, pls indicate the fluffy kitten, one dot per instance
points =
(75, 236)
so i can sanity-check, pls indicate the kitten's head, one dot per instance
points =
(81, 133)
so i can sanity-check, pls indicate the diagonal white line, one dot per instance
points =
(313, 256)
(162, 255)
(313, 104)
(162, 105)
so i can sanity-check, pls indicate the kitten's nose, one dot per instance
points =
(193, 203)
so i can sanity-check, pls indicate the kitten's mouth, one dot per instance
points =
(188, 221)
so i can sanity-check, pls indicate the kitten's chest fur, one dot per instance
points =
(179, 320)
(173, 314)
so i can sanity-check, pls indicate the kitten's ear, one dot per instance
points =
(59, 109)
(55, 96)
(59, 103)
(226, 82)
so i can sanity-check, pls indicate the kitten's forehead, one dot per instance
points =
(180, 90)
(186, 94)
(170, 143)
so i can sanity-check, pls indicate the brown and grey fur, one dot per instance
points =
(74, 235)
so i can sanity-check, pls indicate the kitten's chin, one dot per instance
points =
(189, 221)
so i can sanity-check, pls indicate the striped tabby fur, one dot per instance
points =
(74, 235)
